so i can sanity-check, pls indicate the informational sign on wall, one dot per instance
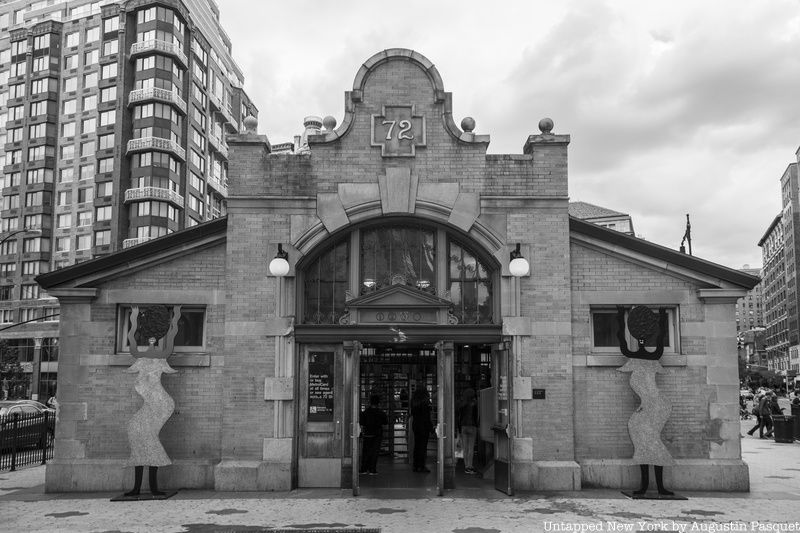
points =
(320, 386)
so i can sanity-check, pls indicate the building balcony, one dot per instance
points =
(218, 186)
(127, 243)
(160, 144)
(218, 145)
(157, 45)
(159, 95)
(153, 193)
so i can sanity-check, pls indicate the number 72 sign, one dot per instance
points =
(398, 131)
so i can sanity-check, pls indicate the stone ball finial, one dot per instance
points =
(468, 124)
(329, 123)
(250, 124)
(546, 125)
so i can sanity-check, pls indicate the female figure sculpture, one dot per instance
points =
(149, 364)
(645, 424)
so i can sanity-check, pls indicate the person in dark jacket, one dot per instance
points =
(774, 409)
(766, 415)
(421, 425)
(757, 413)
(467, 427)
(372, 420)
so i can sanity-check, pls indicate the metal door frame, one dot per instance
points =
(504, 433)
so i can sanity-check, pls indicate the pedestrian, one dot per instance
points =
(765, 412)
(467, 426)
(372, 420)
(421, 425)
(774, 409)
(757, 413)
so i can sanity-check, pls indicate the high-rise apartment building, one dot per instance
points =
(774, 292)
(113, 117)
(750, 309)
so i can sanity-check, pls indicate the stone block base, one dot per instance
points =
(726, 475)
(547, 475)
(235, 476)
(102, 475)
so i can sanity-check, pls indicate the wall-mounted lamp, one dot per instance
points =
(279, 266)
(518, 266)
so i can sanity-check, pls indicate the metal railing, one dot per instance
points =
(26, 438)
(218, 185)
(153, 193)
(156, 143)
(157, 45)
(127, 243)
(157, 93)
(218, 144)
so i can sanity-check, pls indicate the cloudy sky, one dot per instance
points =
(673, 107)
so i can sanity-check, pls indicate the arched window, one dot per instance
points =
(326, 281)
(404, 253)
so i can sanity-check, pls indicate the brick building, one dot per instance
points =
(112, 120)
(399, 230)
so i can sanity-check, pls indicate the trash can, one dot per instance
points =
(783, 428)
(796, 415)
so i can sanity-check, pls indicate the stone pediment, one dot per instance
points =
(398, 304)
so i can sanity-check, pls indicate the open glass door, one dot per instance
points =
(352, 352)
(502, 427)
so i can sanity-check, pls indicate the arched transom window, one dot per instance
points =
(388, 254)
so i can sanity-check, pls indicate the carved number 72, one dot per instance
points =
(402, 133)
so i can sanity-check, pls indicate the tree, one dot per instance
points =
(14, 381)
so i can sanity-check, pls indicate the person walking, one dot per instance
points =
(757, 413)
(774, 409)
(421, 425)
(467, 426)
(765, 411)
(372, 420)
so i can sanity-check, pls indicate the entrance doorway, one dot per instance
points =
(395, 373)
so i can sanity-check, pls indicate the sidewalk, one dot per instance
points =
(774, 501)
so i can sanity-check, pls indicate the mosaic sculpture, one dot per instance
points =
(645, 424)
(152, 323)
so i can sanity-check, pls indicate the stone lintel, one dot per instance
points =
(721, 296)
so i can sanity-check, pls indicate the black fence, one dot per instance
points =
(26, 438)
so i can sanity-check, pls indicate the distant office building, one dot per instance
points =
(750, 309)
(773, 284)
(113, 116)
(602, 216)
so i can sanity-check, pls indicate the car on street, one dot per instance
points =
(26, 423)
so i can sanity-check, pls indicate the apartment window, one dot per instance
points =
(10, 179)
(102, 237)
(111, 24)
(199, 95)
(40, 63)
(199, 116)
(197, 182)
(9, 224)
(18, 69)
(86, 172)
(63, 221)
(33, 199)
(11, 201)
(198, 139)
(72, 39)
(110, 47)
(87, 149)
(66, 175)
(109, 94)
(30, 291)
(16, 91)
(145, 63)
(68, 129)
(104, 188)
(37, 130)
(197, 160)
(105, 165)
(63, 244)
(85, 195)
(89, 125)
(91, 57)
(64, 198)
(605, 326)
(108, 71)
(33, 222)
(13, 157)
(35, 244)
(107, 117)
(71, 62)
(105, 142)
(84, 218)
(28, 314)
(14, 135)
(36, 153)
(69, 107)
(92, 34)
(6, 291)
(9, 248)
(68, 151)
(39, 108)
(39, 175)
(44, 85)
(90, 80)
(102, 213)
(41, 41)
(196, 204)
(7, 316)
(30, 268)
(90, 102)
(16, 112)
(190, 329)
(83, 242)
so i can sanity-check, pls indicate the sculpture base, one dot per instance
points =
(653, 495)
(145, 496)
